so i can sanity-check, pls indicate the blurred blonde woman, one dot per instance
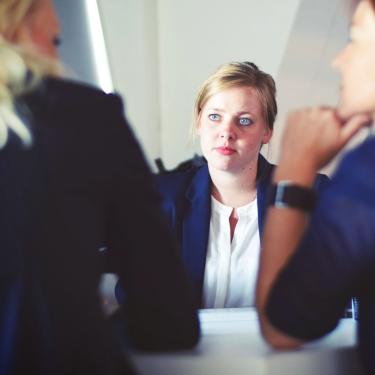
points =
(70, 173)
(19, 58)
(216, 211)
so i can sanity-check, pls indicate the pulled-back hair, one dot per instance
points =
(20, 67)
(239, 74)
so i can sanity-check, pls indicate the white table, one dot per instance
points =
(231, 344)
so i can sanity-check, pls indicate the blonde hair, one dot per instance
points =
(21, 68)
(236, 74)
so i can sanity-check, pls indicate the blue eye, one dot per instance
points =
(214, 117)
(245, 121)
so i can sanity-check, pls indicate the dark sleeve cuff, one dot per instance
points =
(298, 318)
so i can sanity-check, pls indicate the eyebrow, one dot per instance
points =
(215, 109)
(237, 113)
(244, 113)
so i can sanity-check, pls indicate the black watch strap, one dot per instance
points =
(287, 194)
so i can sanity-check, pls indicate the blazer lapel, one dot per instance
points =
(195, 228)
(196, 220)
(263, 181)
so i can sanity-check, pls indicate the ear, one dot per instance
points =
(267, 135)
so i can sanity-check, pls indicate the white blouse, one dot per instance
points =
(231, 266)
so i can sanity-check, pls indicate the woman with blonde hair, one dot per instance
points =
(70, 173)
(313, 260)
(216, 211)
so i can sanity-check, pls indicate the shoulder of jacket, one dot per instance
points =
(70, 93)
(173, 185)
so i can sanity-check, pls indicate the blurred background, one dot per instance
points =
(156, 54)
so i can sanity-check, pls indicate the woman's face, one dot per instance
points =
(232, 129)
(356, 64)
(41, 29)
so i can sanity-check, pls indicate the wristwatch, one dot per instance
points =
(287, 194)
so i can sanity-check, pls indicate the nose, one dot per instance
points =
(228, 130)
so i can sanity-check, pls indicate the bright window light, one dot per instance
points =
(98, 46)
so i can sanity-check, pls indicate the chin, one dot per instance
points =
(345, 111)
(220, 165)
(348, 108)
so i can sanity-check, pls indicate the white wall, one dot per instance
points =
(161, 51)
(197, 36)
(75, 36)
(130, 32)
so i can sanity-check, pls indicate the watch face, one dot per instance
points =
(285, 194)
(280, 194)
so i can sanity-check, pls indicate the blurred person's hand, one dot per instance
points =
(313, 136)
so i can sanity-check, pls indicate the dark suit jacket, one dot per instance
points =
(83, 185)
(186, 201)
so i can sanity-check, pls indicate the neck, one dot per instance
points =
(234, 189)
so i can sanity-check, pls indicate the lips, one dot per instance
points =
(224, 150)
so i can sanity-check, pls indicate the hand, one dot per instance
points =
(314, 136)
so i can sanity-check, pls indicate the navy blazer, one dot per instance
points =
(83, 184)
(186, 202)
